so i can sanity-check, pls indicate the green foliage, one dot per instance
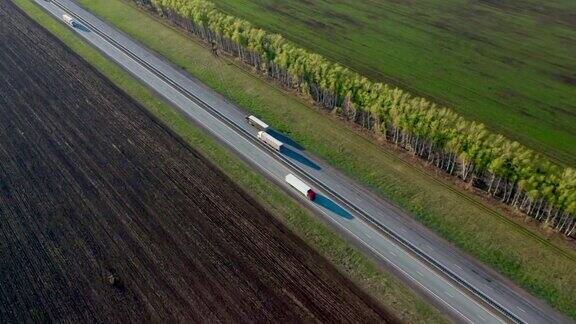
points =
(531, 182)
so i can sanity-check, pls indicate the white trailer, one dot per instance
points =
(301, 186)
(257, 123)
(270, 140)
(68, 20)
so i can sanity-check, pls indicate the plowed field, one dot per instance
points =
(93, 186)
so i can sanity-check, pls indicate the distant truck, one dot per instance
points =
(301, 186)
(68, 20)
(257, 123)
(270, 140)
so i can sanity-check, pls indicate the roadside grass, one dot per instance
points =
(384, 287)
(509, 64)
(542, 266)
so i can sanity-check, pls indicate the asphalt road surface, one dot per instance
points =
(467, 291)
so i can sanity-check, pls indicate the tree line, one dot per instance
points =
(504, 169)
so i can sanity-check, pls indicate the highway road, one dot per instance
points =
(466, 290)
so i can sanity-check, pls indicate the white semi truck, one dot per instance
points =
(270, 140)
(257, 123)
(68, 20)
(301, 186)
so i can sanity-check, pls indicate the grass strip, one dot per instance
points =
(541, 265)
(384, 287)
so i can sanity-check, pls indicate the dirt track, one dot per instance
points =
(91, 185)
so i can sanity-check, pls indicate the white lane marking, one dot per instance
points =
(420, 273)
(394, 254)
(449, 294)
(271, 173)
(482, 318)
(521, 309)
(368, 236)
(449, 305)
(459, 267)
(406, 273)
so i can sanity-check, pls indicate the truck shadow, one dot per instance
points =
(284, 139)
(299, 158)
(81, 28)
(332, 206)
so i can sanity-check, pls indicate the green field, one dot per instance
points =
(508, 63)
(542, 267)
